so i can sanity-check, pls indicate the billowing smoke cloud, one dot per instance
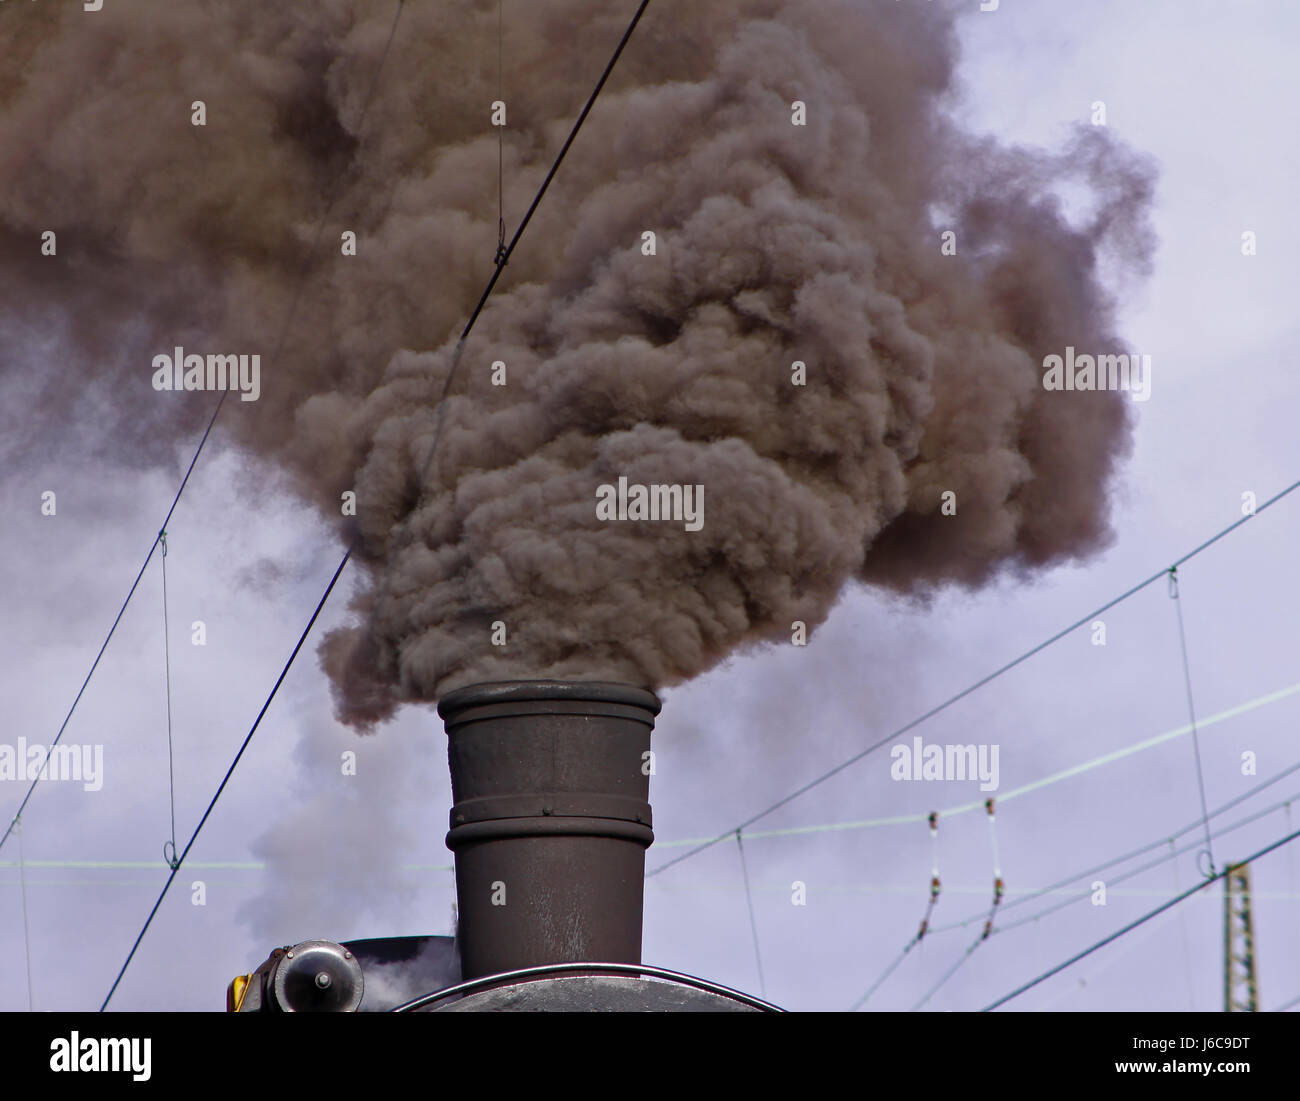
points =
(775, 243)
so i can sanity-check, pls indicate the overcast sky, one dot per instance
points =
(294, 850)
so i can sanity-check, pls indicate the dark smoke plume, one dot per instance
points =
(775, 243)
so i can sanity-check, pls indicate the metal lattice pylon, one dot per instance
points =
(1240, 988)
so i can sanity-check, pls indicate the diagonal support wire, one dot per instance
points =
(169, 848)
(1191, 711)
(27, 932)
(753, 924)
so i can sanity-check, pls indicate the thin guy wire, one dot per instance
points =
(501, 134)
(753, 924)
(1191, 711)
(167, 659)
(27, 932)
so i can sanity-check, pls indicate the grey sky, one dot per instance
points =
(1209, 90)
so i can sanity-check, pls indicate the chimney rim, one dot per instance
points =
(522, 691)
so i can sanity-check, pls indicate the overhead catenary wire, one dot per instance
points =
(212, 420)
(1205, 882)
(478, 309)
(804, 789)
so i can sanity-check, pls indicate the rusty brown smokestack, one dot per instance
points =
(550, 821)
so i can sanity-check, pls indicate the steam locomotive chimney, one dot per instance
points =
(550, 821)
